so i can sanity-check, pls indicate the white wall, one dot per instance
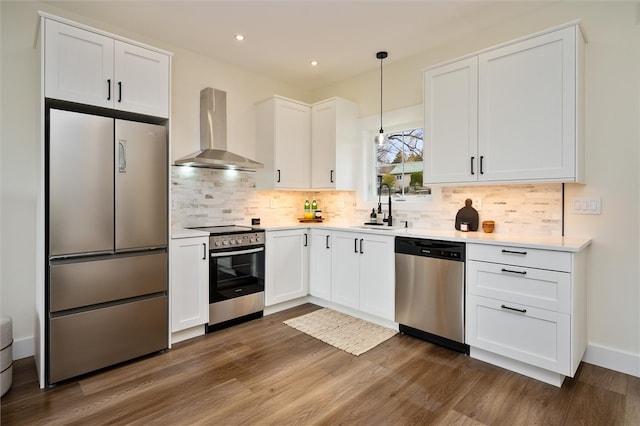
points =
(612, 152)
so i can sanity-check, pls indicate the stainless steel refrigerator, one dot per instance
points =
(107, 273)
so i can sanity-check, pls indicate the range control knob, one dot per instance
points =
(251, 240)
(216, 243)
(239, 241)
(224, 242)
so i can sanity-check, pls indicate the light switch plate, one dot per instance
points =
(589, 205)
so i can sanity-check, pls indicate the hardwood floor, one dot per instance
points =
(265, 372)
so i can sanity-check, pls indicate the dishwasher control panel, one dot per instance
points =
(431, 248)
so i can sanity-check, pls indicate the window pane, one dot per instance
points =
(399, 163)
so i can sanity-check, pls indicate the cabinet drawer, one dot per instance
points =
(528, 286)
(534, 336)
(526, 257)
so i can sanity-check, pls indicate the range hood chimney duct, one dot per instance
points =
(213, 152)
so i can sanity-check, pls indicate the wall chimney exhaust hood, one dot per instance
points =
(213, 152)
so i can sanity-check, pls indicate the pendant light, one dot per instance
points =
(380, 138)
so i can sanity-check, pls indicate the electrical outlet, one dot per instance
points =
(590, 205)
(477, 204)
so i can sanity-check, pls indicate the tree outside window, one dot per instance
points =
(400, 163)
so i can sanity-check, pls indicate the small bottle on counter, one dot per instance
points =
(373, 217)
(314, 206)
(307, 209)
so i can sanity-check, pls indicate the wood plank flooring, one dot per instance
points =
(264, 372)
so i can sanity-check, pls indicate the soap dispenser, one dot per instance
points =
(373, 216)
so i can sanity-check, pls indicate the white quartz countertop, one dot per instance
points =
(187, 233)
(567, 243)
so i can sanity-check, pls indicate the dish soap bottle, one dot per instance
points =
(307, 209)
(373, 218)
(314, 207)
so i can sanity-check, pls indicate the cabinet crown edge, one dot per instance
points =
(45, 15)
(570, 24)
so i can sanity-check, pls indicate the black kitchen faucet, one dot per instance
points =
(389, 220)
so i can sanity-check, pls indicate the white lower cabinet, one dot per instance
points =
(363, 272)
(286, 265)
(320, 263)
(534, 336)
(526, 309)
(189, 292)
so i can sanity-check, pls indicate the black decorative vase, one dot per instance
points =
(469, 215)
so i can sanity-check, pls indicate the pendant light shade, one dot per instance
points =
(381, 138)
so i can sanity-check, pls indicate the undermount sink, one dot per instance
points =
(377, 227)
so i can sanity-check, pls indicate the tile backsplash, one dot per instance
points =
(207, 197)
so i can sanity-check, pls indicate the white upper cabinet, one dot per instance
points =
(283, 144)
(142, 80)
(91, 68)
(333, 144)
(78, 65)
(451, 121)
(527, 125)
(527, 107)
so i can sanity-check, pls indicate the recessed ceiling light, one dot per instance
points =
(239, 37)
(314, 63)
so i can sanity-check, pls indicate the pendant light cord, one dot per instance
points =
(381, 131)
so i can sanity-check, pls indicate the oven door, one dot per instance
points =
(235, 273)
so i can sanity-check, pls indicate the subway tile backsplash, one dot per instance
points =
(207, 197)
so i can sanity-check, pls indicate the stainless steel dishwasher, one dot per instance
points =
(430, 282)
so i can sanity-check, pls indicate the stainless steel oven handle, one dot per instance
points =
(235, 253)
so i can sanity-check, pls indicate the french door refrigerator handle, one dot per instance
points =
(122, 156)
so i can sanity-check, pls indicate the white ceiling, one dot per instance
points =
(282, 37)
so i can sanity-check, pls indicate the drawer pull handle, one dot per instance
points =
(514, 272)
(524, 311)
(514, 252)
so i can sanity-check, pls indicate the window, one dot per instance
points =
(399, 164)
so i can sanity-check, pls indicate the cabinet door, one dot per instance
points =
(527, 109)
(189, 283)
(323, 147)
(451, 121)
(287, 265)
(292, 144)
(78, 65)
(345, 269)
(377, 276)
(334, 135)
(531, 335)
(141, 80)
(320, 264)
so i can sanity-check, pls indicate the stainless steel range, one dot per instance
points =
(236, 275)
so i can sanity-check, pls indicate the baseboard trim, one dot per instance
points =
(268, 310)
(23, 348)
(623, 362)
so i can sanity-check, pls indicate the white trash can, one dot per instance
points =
(6, 354)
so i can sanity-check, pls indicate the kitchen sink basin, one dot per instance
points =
(377, 227)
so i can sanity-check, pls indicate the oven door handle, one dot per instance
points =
(235, 253)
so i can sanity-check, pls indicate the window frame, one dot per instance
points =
(393, 121)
